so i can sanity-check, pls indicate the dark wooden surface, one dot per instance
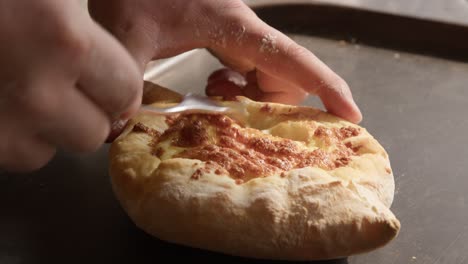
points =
(414, 103)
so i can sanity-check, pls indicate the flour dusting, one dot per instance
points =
(197, 32)
(239, 34)
(217, 36)
(269, 43)
(340, 88)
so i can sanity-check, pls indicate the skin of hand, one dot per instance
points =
(262, 63)
(63, 80)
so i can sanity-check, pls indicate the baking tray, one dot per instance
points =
(409, 77)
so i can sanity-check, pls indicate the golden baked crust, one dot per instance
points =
(295, 184)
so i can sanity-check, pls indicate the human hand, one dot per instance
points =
(266, 64)
(62, 80)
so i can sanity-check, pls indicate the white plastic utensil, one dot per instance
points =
(190, 103)
(195, 103)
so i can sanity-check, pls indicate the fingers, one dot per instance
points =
(337, 99)
(58, 113)
(243, 42)
(279, 56)
(117, 128)
(285, 68)
(70, 79)
(110, 77)
(78, 125)
(47, 115)
(228, 84)
(276, 90)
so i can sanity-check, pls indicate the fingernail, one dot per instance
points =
(217, 75)
(125, 115)
(358, 114)
(117, 128)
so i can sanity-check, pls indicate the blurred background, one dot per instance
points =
(446, 10)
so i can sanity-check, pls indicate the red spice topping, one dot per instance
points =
(322, 131)
(158, 152)
(239, 181)
(355, 149)
(170, 119)
(197, 174)
(347, 132)
(191, 135)
(335, 133)
(139, 127)
(246, 156)
(342, 161)
(266, 108)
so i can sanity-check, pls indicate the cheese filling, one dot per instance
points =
(247, 153)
